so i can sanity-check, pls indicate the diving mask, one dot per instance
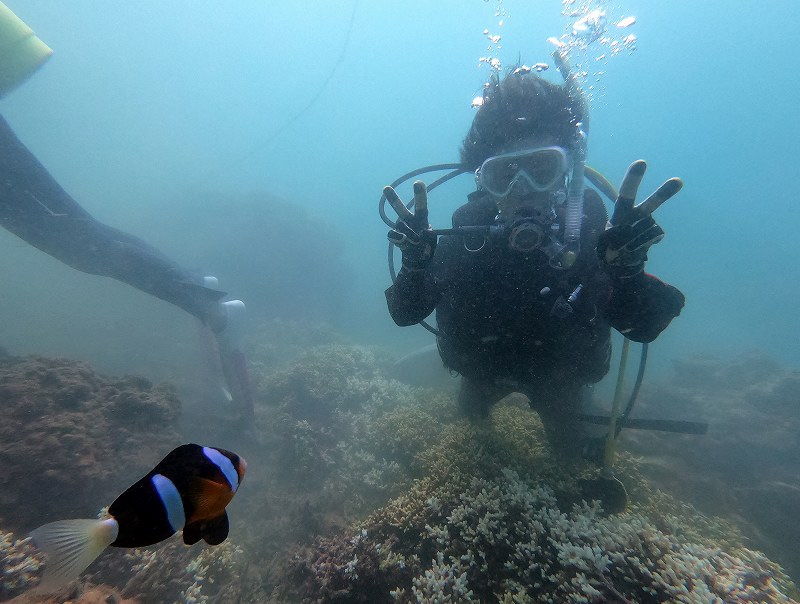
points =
(540, 168)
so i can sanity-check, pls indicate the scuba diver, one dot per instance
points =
(533, 275)
(34, 207)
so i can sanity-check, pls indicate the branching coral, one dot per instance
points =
(213, 570)
(501, 539)
(324, 379)
(343, 428)
(474, 529)
(20, 565)
(172, 572)
(749, 466)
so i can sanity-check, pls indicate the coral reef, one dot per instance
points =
(326, 379)
(336, 439)
(750, 456)
(20, 565)
(169, 573)
(80, 594)
(505, 540)
(364, 489)
(497, 518)
(276, 343)
(71, 439)
(343, 427)
(172, 572)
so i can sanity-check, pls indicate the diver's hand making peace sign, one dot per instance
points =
(412, 233)
(622, 248)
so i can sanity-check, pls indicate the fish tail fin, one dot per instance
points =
(71, 546)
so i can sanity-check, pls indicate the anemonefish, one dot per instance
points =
(187, 490)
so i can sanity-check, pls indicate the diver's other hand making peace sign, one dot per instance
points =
(630, 232)
(412, 233)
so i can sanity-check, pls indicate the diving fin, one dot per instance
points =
(608, 490)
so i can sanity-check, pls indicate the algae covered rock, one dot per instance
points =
(71, 439)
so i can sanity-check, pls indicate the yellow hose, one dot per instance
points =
(21, 52)
(611, 441)
(601, 182)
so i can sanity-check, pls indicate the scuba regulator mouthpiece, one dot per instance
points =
(525, 236)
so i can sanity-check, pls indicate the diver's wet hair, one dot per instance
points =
(519, 106)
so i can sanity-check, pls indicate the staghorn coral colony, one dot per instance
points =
(169, 573)
(20, 566)
(488, 514)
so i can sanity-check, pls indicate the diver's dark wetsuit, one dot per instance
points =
(504, 323)
(34, 207)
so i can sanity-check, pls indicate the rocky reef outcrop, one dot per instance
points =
(71, 439)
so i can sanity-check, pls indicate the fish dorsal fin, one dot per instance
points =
(71, 546)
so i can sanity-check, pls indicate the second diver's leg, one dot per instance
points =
(476, 397)
(569, 437)
(38, 210)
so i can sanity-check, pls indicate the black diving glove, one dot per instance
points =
(412, 233)
(622, 247)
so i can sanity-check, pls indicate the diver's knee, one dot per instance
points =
(473, 399)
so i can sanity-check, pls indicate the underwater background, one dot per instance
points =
(251, 141)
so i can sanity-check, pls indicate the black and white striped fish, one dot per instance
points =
(188, 490)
